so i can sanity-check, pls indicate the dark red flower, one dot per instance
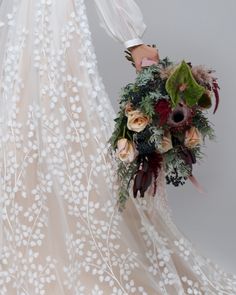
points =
(163, 110)
(180, 117)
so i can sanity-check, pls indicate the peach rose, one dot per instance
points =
(137, 121)
(193, 137)
(126, 151)
(166, 143)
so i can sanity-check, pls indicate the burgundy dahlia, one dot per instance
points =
(163, 110)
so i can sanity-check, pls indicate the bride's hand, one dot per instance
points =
(143, 51)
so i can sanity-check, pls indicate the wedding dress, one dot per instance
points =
(60, 230)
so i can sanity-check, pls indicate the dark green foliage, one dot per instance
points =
(125, 174)
(203, 124)
(121, 122)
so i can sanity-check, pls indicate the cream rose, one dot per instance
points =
(126, 151)
(137, 121)
(193, 137)
(166, 143)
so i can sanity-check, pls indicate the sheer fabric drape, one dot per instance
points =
(122, 19)
(61, 232)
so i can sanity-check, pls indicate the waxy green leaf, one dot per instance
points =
(182, 85)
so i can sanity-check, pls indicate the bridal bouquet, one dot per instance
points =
(162, 124)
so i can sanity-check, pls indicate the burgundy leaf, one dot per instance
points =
(146, 182)
(217, 96)
(193, 156)
(137, 182)
(155, 163)
(149, 170)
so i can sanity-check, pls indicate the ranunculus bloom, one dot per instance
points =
(166, 143)
(137, 121)
(126, 151)
(193, 138)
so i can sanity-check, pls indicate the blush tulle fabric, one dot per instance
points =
(60, 230)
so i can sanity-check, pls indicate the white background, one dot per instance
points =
(202, 32)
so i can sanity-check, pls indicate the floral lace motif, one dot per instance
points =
(60, 230)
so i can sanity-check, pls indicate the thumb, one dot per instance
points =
(138, 65)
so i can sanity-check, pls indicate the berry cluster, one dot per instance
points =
(144, 147)
(136, 99)
(175, 179)
(144, 135)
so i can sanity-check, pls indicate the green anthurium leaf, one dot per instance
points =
(182, 85)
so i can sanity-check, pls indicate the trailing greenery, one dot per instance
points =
(125, 174)
(121, 122)
(201, 122)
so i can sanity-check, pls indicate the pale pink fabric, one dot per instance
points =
(60, 231)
